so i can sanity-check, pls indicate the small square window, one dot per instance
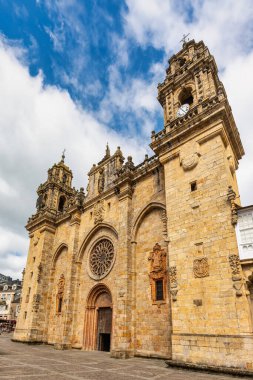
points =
(159, 290)
(193, 186)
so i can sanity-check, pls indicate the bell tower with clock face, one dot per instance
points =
(199, 148)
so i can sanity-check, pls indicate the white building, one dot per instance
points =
(9, 301)
(244, 232)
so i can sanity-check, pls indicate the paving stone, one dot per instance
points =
(20, 362)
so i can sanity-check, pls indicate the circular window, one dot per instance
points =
(101, 259)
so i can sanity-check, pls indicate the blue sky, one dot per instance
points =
(75, 48)
(77, 74)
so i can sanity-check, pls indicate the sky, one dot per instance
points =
(76, 74)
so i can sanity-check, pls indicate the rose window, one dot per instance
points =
(101, 258)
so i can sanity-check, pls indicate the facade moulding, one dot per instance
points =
(57, 252)
(142, 214)
(103, 196)
(177, 134)
(92, 233)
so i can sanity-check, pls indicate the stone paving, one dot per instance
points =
(22, 361)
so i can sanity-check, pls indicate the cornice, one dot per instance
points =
(196, 121)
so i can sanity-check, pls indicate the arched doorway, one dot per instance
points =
(98, 319)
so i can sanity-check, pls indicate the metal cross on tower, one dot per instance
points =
(185, 39)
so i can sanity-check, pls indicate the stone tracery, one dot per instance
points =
(101, 258)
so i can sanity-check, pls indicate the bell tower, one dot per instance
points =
(57, 191)
(199, 148)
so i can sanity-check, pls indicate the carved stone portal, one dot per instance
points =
(201, 267)
(158, 270)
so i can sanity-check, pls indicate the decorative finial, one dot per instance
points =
(63, 155)
(185, 39)
(107, 152)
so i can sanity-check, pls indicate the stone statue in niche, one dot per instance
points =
(101, 180)
(61, 285)
(99, 212)
(157, 258)
(158, 270)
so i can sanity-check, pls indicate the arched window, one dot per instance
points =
(181, 61)
(185, 96)
(62, 202)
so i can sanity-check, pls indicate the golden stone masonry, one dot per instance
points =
(146, 261)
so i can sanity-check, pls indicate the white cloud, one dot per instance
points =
(13, 248)
(37, 122)
(238, 81)
(226, 27)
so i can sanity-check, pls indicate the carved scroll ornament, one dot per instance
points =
(189, 162)
(234, 262)
(201, 267)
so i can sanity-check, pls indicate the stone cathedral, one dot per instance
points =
(145, 262)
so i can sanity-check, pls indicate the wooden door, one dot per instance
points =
(104, 328)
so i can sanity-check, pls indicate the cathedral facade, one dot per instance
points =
(145, 262)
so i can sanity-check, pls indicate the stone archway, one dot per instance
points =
(98, 319)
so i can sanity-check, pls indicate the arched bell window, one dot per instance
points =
(185, 96)
(62, 202)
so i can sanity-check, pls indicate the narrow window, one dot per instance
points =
(25, 314)
(159, 290)
(59, 305)
(31, 274)
(61, 203)
(194, 186)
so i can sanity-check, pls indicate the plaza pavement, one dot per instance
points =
(35, 362)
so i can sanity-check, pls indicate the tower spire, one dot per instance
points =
(107, 151)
